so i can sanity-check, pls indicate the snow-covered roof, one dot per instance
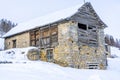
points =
(41, 21)
(44, 20)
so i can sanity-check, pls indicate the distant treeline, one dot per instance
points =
(6, 25)
(112, 41)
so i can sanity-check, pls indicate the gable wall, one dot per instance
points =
(70, 53)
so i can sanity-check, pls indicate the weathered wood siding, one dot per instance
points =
(44, 37)
(22, 40)
(34, 37)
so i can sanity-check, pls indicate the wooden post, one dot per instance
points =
(40, 38)
(49, 35)
(41, 41)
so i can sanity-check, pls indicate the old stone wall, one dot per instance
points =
(91, 55)
(63, 50)
(22, 40)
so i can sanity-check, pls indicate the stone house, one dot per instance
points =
(71, 37)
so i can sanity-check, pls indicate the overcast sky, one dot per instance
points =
(19, 11)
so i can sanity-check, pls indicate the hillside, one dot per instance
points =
(1, 44)
(1, 40)
(23, 69)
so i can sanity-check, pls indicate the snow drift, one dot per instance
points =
(15, 54)
(1, 44)
(38, 70)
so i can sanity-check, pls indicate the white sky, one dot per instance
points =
(23, 10)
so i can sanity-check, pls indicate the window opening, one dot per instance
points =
(92, 65)
(14, 43)
(82, 26)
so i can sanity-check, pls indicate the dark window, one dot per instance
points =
(82, 26)
(89, 27)
(14, 43)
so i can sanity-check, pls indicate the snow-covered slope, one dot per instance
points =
(1, 44)
(115, 51)
(38, 70)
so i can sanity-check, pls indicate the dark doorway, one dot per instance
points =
(49, 55)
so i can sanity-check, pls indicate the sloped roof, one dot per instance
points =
(44, 20)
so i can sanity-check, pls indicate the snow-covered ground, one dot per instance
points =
(115, 51)
(38, 70)
(15, 54)
(1, 44)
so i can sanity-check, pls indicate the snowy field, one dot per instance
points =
(1, 44)
(23, 69)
